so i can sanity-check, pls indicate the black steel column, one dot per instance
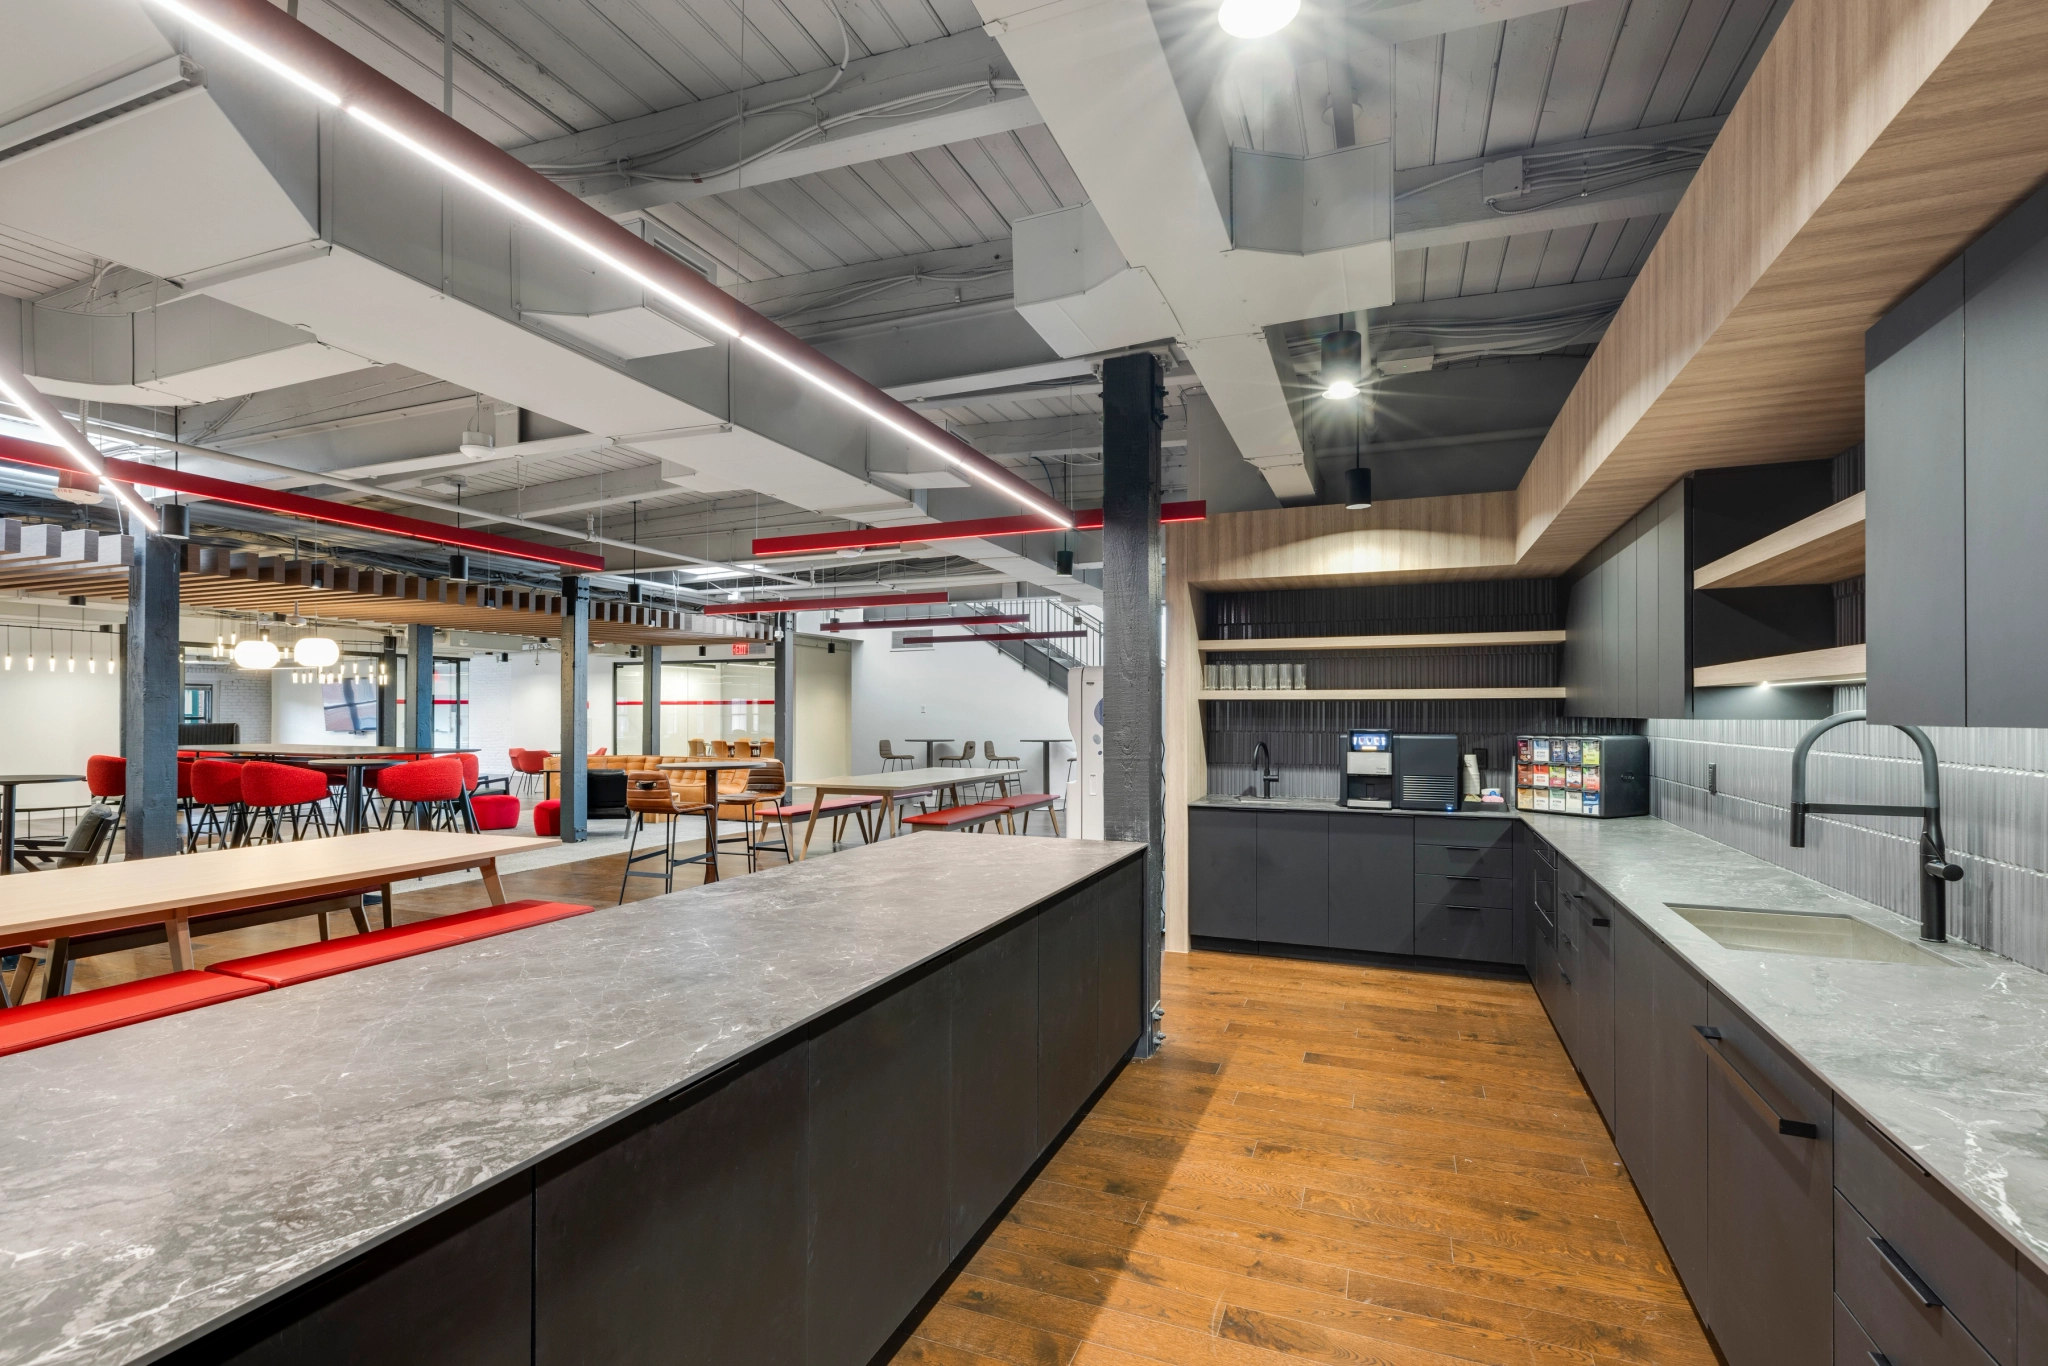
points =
(152, 698)
(575, 710)
(419, 689)
(785, 693)
(650, 701)
(1133, 743)
(387, 694)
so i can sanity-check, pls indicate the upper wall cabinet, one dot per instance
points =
(1626, 622)
(1954, 415)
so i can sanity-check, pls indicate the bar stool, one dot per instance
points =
(682, 794)
(216, 803)
(106, 777)
(271, 789)
(433, 787)
(764, 787)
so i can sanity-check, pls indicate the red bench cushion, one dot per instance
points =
(831, 804)
(285, 967)
(1029, 801)
(89, 1012)
(956, 815)
(496, 810)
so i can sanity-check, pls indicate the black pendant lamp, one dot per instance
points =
(1357, 488)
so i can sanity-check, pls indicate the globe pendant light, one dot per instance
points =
(257, 654)
(316, 652)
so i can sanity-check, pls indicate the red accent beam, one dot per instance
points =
(873, 537)
(365, 91)
(18, 452)
(770, 606)
(920, 621)
(994, 635)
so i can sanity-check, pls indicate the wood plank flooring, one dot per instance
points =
(1327, 1163)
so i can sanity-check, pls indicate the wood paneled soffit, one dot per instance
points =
(1876, 139)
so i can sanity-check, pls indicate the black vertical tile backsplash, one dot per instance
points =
(1302, 735)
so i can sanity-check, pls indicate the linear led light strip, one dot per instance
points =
(532, 214)
(16, 389)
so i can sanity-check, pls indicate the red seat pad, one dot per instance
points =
(957, 815)
(1032, 800)
(284, 967)
(89, 1012)
(831, 804)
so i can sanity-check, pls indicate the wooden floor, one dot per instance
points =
(1331, 1164)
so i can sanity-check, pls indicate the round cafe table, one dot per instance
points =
(8, 782)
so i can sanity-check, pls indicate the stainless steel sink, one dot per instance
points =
(1812, 934)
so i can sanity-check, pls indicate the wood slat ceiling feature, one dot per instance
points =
(241, 581)
(1876, 140)
(1411, 540)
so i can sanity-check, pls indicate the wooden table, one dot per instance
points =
(354, 758)
(172, 892)
(7, 785)
(907, 782)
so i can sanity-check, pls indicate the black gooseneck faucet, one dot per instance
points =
(1268, 779)
(1936, 871)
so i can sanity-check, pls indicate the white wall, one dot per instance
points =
(298, 716)
(55, 722)
(824, 709)
(962, 692)
(520, 703)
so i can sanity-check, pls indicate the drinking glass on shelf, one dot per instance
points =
(1272, 677)
(1301, 677)
(1209, 677)
(1243, 673)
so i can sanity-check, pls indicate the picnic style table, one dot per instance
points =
(907, 782)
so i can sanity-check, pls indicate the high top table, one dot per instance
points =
(175, 891)
(907, 782)
(7, 785)
(353, 758)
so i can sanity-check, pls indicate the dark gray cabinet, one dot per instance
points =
(1626, 618)
(1372, 884)
(1634, 1115)
(1770, 1220)
(1593, 1007)
(1223, 874)
(1293, 892)
(1677, 1189)
(2032, 1346)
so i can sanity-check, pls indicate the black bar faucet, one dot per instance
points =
(1268, 779)
(1935, 869)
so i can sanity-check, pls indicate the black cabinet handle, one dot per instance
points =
(1468, 848)
(1600, 922)
(1907, 1276)
(1567, 977)
(1710, 1043)
(1880, 1359)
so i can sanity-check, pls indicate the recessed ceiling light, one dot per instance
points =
(1256, 18)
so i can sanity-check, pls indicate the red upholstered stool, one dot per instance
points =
(433, 787)
(89, 1012)
(496, 810)
(216, 803)
(274, 790)
(547, 817)
(307, 962)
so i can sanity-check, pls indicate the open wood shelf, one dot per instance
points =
(1841, 664)
(1379, 694)
(1824, 548)
(1452, 639)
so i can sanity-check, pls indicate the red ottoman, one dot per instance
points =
(496, 810)
(547, 818)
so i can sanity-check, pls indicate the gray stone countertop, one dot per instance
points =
(1329, 806)
(1951, 1061)
(166, 1176)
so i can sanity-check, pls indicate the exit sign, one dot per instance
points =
(739, 647)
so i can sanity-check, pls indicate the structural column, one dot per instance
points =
(650, 701)
(419, 689)
(575, 710)
(785, 694)
(387, 695)
(1133, 743)
(152, 698)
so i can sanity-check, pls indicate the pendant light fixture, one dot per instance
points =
(258, 653)
(316, 652)
(1256, 18)
(1357, 489)
(1343, 364)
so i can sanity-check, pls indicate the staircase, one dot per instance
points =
(1047, 660)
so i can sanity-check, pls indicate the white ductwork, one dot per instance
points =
(1077, 290)
(1100, 75)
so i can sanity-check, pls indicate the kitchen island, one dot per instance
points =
(754, 1121)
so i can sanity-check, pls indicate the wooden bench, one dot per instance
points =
(978, 816)
(837, 808)
(1026, 803)
(308, 962)
(89, 1012)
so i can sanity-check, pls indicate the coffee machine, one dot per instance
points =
(1368, 769)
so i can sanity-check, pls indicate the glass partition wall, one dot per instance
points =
(709, 700)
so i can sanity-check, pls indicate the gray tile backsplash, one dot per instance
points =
(1994, 813)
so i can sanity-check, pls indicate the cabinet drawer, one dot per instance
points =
(1546, 853)
(1888, 1297)
(1435, 889)
(1483, 934)
(1853, 1346)
(1466, 860)
(1970, 1269)
(1483, 831)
